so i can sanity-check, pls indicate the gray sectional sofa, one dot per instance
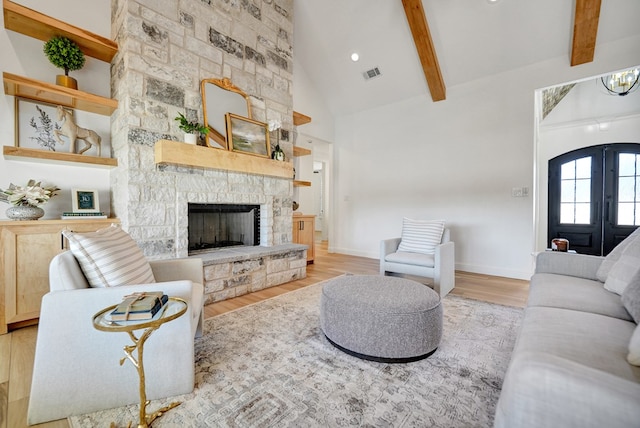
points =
(572, 362)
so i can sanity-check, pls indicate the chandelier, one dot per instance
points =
(621, 83)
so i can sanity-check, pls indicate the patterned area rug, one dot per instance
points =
(269, 365)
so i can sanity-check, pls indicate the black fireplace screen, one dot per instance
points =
(223, 225)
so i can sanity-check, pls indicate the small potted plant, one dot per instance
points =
(64, 53)
(191, 129)
(25, 200)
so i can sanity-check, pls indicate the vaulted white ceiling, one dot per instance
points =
(472, 38)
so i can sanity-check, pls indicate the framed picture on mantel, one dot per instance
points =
(247, 135)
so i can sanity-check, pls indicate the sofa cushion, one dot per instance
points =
(624, 270)
(614, 256)
(570, 292)
(634, 348)
(421, 236)
(587, 340)
(407, 258)
(631, 298)
(109, 257)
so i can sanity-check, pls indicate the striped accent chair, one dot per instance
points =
(76, 368)
(425, 249)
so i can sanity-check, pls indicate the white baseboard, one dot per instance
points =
(465, 267)
(494, 271)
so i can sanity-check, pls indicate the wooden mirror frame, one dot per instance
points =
(215, 120)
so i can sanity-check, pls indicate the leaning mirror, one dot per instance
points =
(219, 97)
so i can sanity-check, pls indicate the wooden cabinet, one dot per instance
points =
(304, 229)
(26, 249)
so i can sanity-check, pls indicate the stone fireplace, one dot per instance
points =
(165, 49)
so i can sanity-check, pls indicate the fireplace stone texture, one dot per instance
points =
(165, 49)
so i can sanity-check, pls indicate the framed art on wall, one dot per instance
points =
(35, 124)
(85, 201)
(38, 122)
(247, 135)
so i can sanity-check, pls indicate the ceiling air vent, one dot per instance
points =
(370, 74)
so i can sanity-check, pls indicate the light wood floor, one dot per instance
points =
(18, 347)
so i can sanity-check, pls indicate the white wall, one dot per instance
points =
(456, 160)
(23, 56)
(307, 100)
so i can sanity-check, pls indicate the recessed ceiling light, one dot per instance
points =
(492, 1)
(355, 57)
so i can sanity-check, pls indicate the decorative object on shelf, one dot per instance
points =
(85, 201)
(295, 205)
(64, 53)
(25, 200)
(73, 132)
(622, 83)
(560, 244)
(191, 129)
(277, 153)
(24, 212)
(247, 135)
(274, 126)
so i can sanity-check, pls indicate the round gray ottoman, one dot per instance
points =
(381, 318)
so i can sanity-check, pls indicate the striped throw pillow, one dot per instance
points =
(420, 236)
(110, 257)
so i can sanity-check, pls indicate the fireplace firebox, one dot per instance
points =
(223, 225)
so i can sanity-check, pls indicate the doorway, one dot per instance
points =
(319, 199)
(316, 198)
(594, 196)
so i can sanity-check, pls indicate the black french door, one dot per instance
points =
(594, 196)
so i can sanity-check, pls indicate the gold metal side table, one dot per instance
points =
(174, 308)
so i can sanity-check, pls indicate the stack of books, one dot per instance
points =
(139, 306)
(80, 216)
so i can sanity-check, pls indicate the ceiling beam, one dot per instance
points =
(424, 45)
(585, 30)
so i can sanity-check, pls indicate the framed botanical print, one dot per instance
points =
(36, 125)
(39, 125)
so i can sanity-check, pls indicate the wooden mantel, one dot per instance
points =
(177, 153)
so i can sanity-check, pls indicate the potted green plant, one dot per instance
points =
(191, 129)
(64, 53)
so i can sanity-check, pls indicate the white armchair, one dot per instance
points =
(439, 266)
(76, 368)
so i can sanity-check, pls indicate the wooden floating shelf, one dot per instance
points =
(178, 153)
(301, 183)
(35, 155)
(300, 119)
(35, 24)
(301, 151)
(41, 91)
